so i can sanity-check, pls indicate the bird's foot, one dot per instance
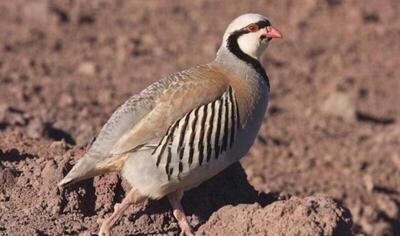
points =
(180, 216)
(186, 232)
(104, 228)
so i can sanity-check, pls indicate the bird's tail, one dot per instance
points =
(90, 166)
(84, 169)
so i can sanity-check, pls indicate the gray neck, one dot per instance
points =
(242, 68)
(233, 63)
(258, 83)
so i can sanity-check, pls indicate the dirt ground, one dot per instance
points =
(326, 161)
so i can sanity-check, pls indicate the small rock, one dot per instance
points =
(387, 205)
(66, 100)
(7, 177)
(369, 183)
(58, 145)
(340, 105)
(49, 175)
(87, 68)
(35, 128)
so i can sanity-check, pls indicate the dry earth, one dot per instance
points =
(331, 139)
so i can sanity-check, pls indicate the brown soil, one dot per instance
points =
(332, 127)
(309, 216)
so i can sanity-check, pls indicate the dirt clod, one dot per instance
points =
(332, 127)
(340, 105)
(7, 177)
(295, 216)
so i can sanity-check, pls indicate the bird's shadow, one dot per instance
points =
(230, 187)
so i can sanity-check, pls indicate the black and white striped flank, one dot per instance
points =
(200, 136)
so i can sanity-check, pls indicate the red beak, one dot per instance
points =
(273, 33)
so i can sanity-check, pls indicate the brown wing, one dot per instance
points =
(190, 89)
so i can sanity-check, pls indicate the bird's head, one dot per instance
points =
(248, 35)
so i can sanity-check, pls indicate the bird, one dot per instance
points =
(188, 126)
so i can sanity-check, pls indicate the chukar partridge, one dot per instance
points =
(187, 127)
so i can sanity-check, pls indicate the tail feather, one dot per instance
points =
(90, 166)
(84, 169)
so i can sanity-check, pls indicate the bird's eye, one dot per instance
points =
(252, 27)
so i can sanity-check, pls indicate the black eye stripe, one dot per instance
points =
(261, 24)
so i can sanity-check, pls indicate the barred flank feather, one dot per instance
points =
(201, 135)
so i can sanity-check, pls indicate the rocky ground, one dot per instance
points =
(326, 161)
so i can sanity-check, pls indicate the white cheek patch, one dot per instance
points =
(251, 44)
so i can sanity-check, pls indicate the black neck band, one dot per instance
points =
(233, 46)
